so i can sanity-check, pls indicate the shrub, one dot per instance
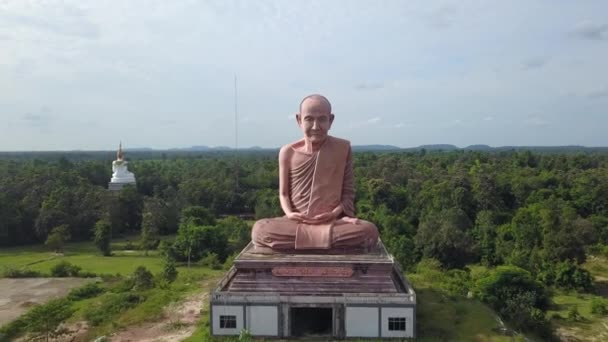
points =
(516, 296)
(111, 304)
(124, 285)
(12, 329)
(89, 290)
(211, 260)
(229, 261)
(142, 278)
(10, 272)
(58, 237)
(102, 236)
(169, 272)
(65, 269)
(598, 307)
(45, 318)
(573, 314)
(87, 274)
(568, 276)
(456, 282)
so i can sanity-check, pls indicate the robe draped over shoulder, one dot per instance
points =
(318, 183)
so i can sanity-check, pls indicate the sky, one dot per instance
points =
(84, 75)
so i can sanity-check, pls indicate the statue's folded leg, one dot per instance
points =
(280, 233)
(276, 233)
(348, 234)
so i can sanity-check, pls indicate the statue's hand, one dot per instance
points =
(295, 216)
(321, 218)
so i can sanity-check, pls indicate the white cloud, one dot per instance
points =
(384, 65)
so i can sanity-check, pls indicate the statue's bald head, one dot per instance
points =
(320, 101)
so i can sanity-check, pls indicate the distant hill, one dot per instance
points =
(436, 147)
(201, 148)
(149, 153)
(361, 148)
(478, 148)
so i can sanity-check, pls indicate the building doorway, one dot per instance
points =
(311, 322)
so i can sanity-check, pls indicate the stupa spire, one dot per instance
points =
(119, 152)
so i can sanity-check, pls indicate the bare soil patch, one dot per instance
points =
(178, 322)
(18, 295)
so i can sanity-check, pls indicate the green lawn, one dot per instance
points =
(444, 318)
(124, 262)
(591, 327)
(588, 327)
(83, 254)
(439, 317)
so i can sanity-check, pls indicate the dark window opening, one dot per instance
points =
(311, 321)
(227, 322)
(396, 323)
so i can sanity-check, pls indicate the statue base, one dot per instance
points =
(118, 186)
(324, 296)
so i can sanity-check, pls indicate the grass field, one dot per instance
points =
(440, 317)
(445, 318)
(40, 258)
(84, 254)
(589, 326)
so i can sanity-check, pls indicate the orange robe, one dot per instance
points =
(319, 182)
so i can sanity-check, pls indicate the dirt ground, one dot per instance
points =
(178, 323)
(17, 295)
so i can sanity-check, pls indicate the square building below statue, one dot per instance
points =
(314, 295)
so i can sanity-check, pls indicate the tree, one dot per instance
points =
(58, 237)
(187, 241)
(49, 218)
(45, 318)
(236, 230)
(445, 237)
(485, 234)
(126, 210)
(193, 242)
(197, 215)
(103, 236)
(267, 204)
(149, 233)
(516, 296)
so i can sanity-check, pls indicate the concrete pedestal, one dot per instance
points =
(314, 296)
(117, 186)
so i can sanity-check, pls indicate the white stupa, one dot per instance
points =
(120, 173)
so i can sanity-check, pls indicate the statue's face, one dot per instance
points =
(315, 120)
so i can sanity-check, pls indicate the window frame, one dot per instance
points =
(226, 321)
(397, 324)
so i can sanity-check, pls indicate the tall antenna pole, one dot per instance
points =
(236, 135)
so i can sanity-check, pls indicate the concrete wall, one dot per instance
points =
(361, 322)
(408, 313)
(263, 320)
(220, 310)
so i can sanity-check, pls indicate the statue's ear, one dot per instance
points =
(331, 118)
(299, 118)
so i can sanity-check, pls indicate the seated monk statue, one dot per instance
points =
(316, 191)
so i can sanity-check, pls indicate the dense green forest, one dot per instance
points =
(531, 218)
